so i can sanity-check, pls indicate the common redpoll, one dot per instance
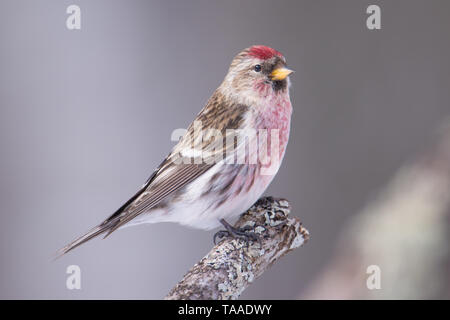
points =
(227, 157)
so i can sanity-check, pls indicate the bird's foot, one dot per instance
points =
(237, 233)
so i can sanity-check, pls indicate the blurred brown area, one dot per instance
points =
(405, 231)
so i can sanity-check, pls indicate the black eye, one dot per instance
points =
(258, 68)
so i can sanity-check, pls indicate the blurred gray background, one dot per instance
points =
(85, 116)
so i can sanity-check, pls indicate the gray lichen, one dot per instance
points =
(232, 265)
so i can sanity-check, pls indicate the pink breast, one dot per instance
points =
(276, 115)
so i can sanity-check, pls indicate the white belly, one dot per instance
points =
(197, 210)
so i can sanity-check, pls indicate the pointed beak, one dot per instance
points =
(280, 73)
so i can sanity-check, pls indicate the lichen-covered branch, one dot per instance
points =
(232, 265)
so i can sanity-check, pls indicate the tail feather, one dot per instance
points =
(94, 232)
(109, 225)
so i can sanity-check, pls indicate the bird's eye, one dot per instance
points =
(258, 68)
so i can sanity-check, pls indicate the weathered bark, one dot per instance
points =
(232, 265)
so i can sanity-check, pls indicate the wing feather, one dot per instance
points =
(174, 176)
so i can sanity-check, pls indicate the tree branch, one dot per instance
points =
(232, 265)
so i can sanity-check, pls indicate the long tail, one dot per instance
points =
(94, 232)
(109, 225)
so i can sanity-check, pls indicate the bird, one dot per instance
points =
(225, 160)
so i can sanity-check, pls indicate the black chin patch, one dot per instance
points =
(279, 85)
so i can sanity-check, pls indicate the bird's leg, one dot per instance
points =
(238, 233)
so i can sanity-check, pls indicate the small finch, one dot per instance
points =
(227, 157)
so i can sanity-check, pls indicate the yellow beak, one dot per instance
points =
(280, 73)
